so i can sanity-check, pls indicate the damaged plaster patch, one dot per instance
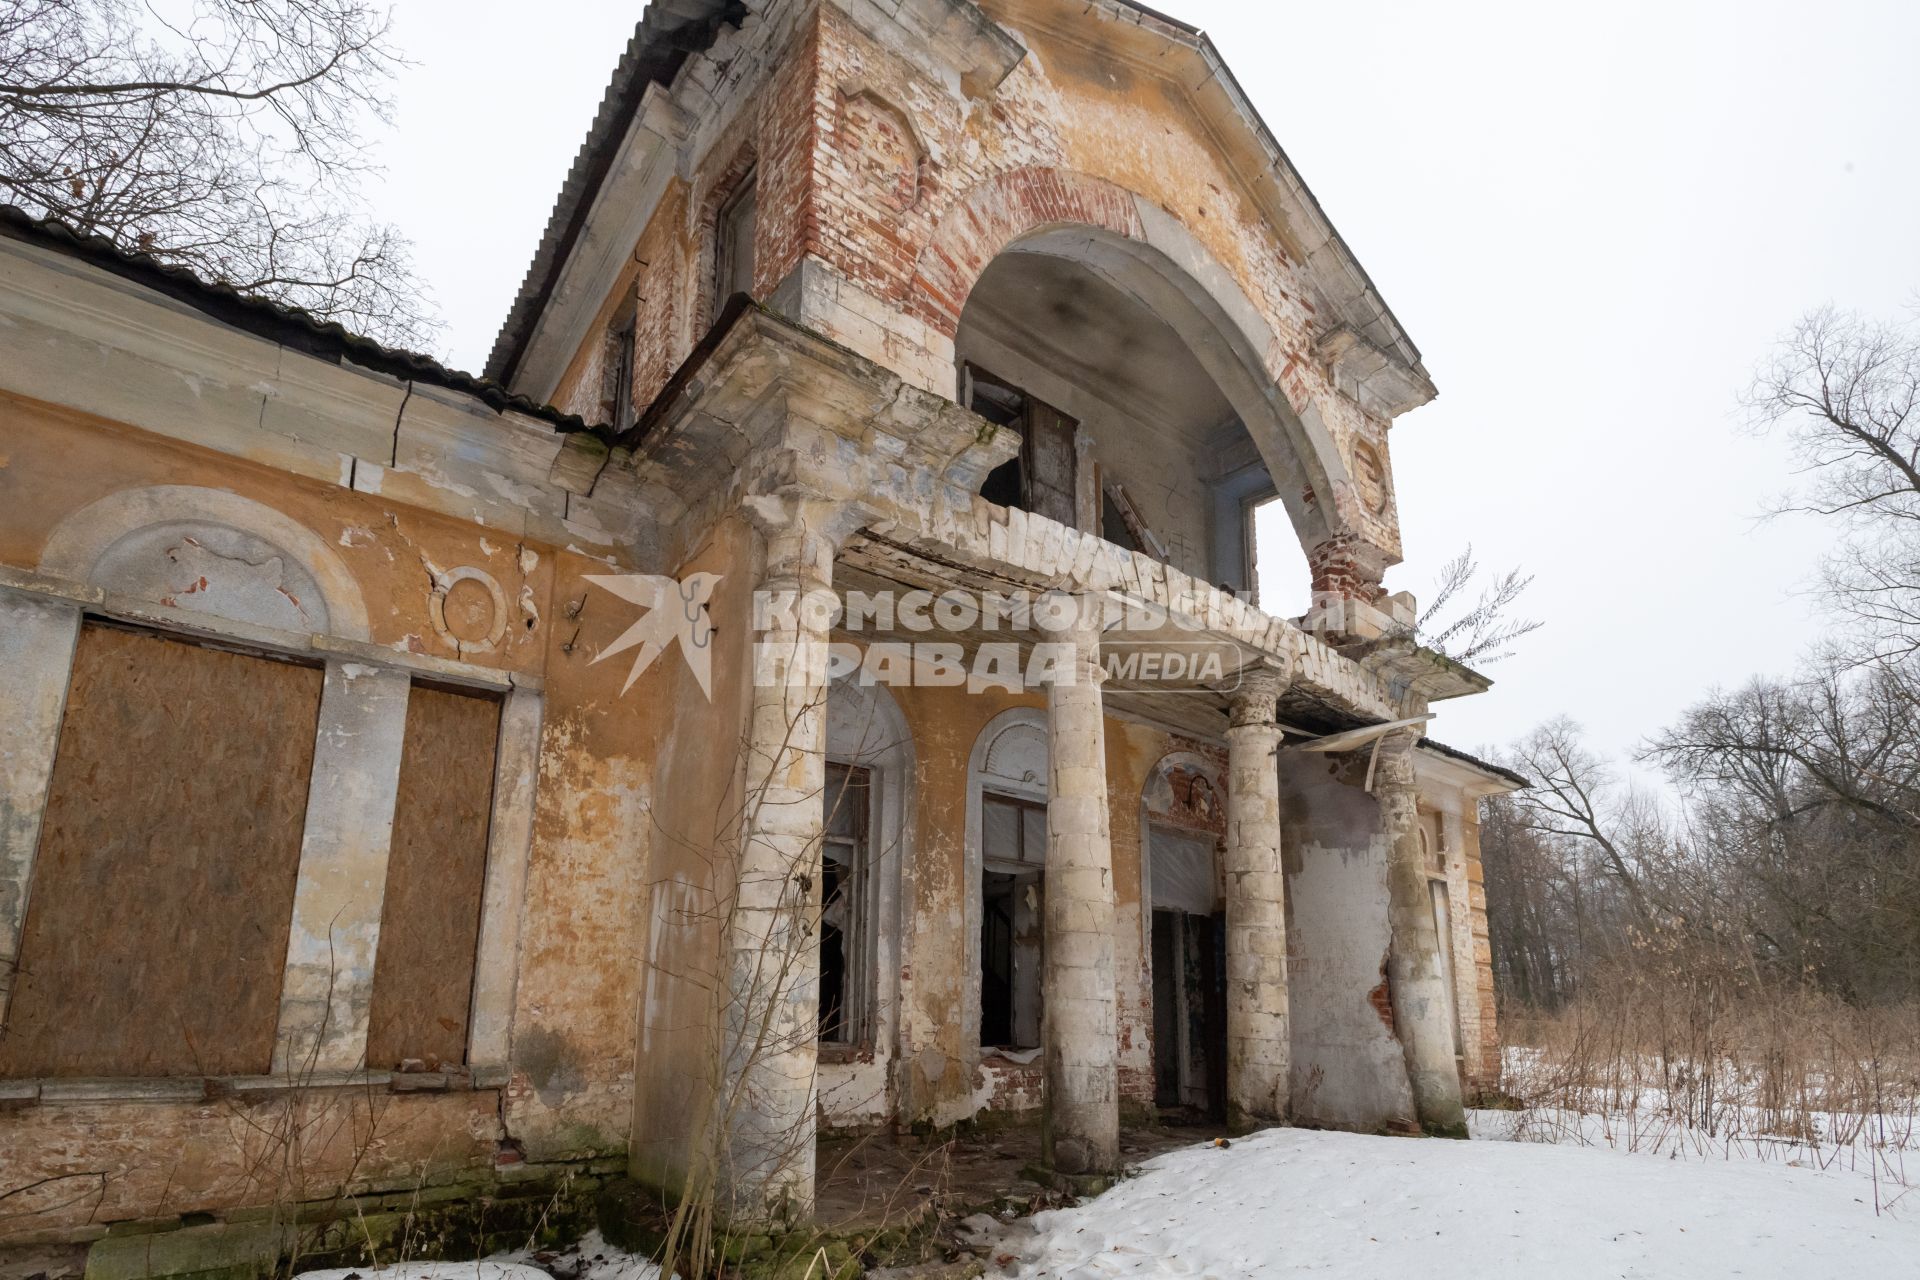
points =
(524, 495)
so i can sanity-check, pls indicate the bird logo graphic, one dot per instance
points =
(676, 613)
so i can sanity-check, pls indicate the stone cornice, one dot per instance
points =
(767, 407)
(83, 339)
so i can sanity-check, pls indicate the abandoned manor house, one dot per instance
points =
(420, 783)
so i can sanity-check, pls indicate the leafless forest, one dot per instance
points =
(1745, 949)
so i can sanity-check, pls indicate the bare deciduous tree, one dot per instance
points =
(1847, 389)
(225, 136)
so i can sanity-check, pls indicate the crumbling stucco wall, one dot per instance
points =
(1348, 1069)
(433, 586)
(687, 848)
(939, 1078)
(1075, 134)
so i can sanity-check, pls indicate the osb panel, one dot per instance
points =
(430, 923)
(163, 888)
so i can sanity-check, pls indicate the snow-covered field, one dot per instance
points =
(1292, 1202)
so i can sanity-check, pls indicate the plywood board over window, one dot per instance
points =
(162, 892)
(436, 876)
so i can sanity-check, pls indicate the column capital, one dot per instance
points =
(1395, 753)
(793, 510)
(1257, 701)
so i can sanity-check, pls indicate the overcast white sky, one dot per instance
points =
(1594, 220)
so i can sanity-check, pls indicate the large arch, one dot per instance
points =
(1146, 252)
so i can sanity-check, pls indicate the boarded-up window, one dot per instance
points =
(436, 873)
(162, 892)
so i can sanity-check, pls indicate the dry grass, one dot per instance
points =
(1695, 1064)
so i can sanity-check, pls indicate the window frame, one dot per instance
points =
(1030, 810)
(727, 240)
(622, 348)
(859, 993)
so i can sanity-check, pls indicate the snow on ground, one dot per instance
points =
(1290, 1201)
(589, 1258)
(488, 1270)
(592, 1258)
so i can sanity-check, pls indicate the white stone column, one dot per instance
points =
(772, 1007)
(36, 662)
(1416, 981)
(1259, 1052)
(328, 985)
(1082, 1128)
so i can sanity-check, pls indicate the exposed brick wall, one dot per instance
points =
(1055, 145)
(657, 281)
(905, 189)
(994, 214)
(1342, 566)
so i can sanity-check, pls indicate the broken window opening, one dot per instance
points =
(1043, 478)
(1112, 527)
(734, 230)
(1117, 510)
(1282, 579)
(846, 972)
(1013, 858)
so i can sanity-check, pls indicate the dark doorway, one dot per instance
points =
(1190, 1013)
(1189, 972)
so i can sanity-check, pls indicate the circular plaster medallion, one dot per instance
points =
(469, 610)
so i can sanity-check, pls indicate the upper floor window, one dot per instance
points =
(733, 242)
(1044, 478)
(617, 373)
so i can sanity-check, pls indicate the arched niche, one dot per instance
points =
(209, 551)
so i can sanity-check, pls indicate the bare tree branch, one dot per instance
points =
(225, 136)
(1484, 632)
